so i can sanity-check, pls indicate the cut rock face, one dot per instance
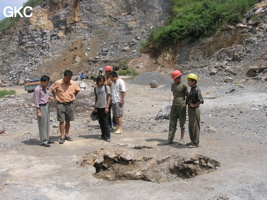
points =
(146, 163)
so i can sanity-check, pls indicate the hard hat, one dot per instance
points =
(94, 116)
(176, 74)
(192, 76)
(108, 68)
(101, 69)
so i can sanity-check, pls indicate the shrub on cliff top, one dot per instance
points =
(195, 18)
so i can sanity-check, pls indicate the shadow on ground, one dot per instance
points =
(89, 136)
(33, 142)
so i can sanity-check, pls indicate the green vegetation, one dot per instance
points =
(124, 62)
(6, 23)
(3, 93)
(126, 72)
(195, 18)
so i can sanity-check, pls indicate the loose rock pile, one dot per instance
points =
(164, 113)
(144, 163)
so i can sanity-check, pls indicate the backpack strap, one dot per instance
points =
(95, 92)
(106, 90)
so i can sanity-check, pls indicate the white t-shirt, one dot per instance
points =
(101, 94)
(117, 87)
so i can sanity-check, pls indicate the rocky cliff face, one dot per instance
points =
(77, 35)
(236, 51)
(88, 34)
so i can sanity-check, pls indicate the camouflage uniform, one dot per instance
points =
(178, 109)
(194, 115)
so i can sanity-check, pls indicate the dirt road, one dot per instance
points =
(233, 132)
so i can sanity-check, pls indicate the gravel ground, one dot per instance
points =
(147, 77)
(233, 132)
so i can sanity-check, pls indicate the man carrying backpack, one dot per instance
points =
(102, 101)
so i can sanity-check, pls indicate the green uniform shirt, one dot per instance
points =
(179, 92)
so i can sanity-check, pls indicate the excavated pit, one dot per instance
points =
(145, 163)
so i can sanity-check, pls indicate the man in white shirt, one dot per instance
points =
(118, 93)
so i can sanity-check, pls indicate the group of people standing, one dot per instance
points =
(109, 94)
(181, 98)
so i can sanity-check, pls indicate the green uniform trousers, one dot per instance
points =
(194, 124)
(44, 124)
(177, 112)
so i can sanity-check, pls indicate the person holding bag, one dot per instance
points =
(102, 102)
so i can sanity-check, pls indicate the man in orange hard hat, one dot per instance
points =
(178, 109)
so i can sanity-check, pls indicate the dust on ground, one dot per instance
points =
(233, 132)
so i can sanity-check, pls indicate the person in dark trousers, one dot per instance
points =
(194, 100)
(178, 109)
(41, 99)
(102, 102)
(111, 120)
(65, 91)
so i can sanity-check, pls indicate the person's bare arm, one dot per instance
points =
(122, 98)
(108, 103)
(195, 105)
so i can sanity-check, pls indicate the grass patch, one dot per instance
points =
(3, 93)
(124, 62)
(126, 72)
(195, 18)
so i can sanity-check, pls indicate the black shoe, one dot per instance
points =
(45, 145)
(51, 142)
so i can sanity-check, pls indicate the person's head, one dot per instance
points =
(176, 76)
(192, 79)
(67, 76)
(100, 80)
(177, 80)
(113, 76)
(108, 69)
(45, 80)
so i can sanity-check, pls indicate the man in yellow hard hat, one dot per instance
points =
(194, 100)
(178, 109)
